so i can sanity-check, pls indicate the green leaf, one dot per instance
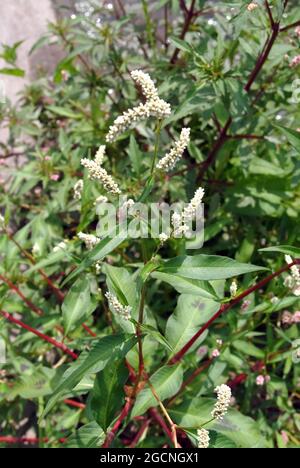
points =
(207, 267)
(292, 136)
(241, 430)
(166, 381)
(285, 249)
(102, 352)
(248, 348)
(105, 397)
(78, 304)
(135, 155)
(105, 246)
(148, 329)
(90, 435)
(180, 44)
(191, 312)
(13, 71)
(186, 285)
(63, 112)
(261, 166)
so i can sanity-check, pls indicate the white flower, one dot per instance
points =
(116, 306)
(2, 222)
(215, 353)
(154, 106)
(293, 281)
(36, 249)
(233, 288)
(169, 161)
(146, 83)
(99, 156)
(61, 246)
(223, 401)
(163, 237)
(89, 239)
(78, 187)
(97, 172)
(100, 199)
(180, 222)
(98, 268)
(252, 6)
(203, 438)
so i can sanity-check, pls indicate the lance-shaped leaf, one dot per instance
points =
(105, 398)
(207, 267)
(78, 304)
(102, 352)
(191, 312)
(285, 249)
(186, 285)
(166, 381)
(90, 435)
(240, 429)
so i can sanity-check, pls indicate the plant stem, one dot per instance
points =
(139, 334)
(178, 356)
(140, 433)
(124, 413)
(44, 337)
(14, 288)
(149, 29)
(188, 20)
(166, 414)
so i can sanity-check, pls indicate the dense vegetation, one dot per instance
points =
(121, 341)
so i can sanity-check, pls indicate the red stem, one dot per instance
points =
(28, 440)
(30, 304)
(140, 433)
(290, 26)
(161, 422)
(124, 413)
(224, 307)
(263, 57)
(75, 404)
(47, 338)
(188, 19)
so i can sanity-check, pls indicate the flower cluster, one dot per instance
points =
(223, 401)
(297, 31)
(169, 161)
(96, 172)
(181, 222)
(233, 288)
(78, 187)
(61, 246)
(295, 62)
(262, 379)
(2, 222)
(289, 319)
(163, 237)
(293, 280)
(89, 239)
(116, 306)
(154, 106)
(252, 6)
(203, 438)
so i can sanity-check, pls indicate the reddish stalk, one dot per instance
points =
(161, 422)
(188, 20)
(26, 440)
(216, 148)
(140, 433)
(75, 404)
(14, 288)
(44, 337)
(178, 356)
(123, 415)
